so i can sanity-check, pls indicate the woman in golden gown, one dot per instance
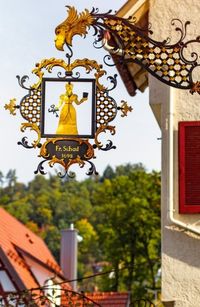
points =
(67, 121)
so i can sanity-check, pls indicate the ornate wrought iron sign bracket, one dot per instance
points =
(172, 64)
(71, 111)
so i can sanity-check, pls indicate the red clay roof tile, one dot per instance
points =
(108, 299)
(104, 299)
(13, 235)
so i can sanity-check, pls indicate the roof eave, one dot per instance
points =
(134, 77)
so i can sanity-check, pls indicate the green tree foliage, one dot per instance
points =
(88, 251)
(117, 215)
(127, 219)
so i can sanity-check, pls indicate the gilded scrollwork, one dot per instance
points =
(32, 127)
(101, 129)
(125, 108)
(70, 162)
(49, 64)
(90, 65)
(11, 106)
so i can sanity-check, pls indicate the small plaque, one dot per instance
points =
(67, 150)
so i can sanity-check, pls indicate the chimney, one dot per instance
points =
(68, 254)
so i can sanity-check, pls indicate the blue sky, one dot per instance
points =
(27, 37)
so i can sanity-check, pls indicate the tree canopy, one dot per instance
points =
(117, 214)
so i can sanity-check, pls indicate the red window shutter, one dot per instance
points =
(189, 167)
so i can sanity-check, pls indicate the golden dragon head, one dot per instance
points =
(74, 24)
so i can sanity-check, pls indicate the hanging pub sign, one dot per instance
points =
(68, 113)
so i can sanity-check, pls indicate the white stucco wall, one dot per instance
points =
(180, 250)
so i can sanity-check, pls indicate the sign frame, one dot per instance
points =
(54, 110)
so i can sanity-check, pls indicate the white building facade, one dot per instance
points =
(180, 232)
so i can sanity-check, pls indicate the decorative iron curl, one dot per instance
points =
(71, 175)
(67, 172)
(92, 170)
(193, 55)
(69, 54)
(24, 143)
(76, 75)
(113, 81)
(40, 168)
(22, 80)
(109, 145)
(182, 29)
(95, 11)
(108, 60)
